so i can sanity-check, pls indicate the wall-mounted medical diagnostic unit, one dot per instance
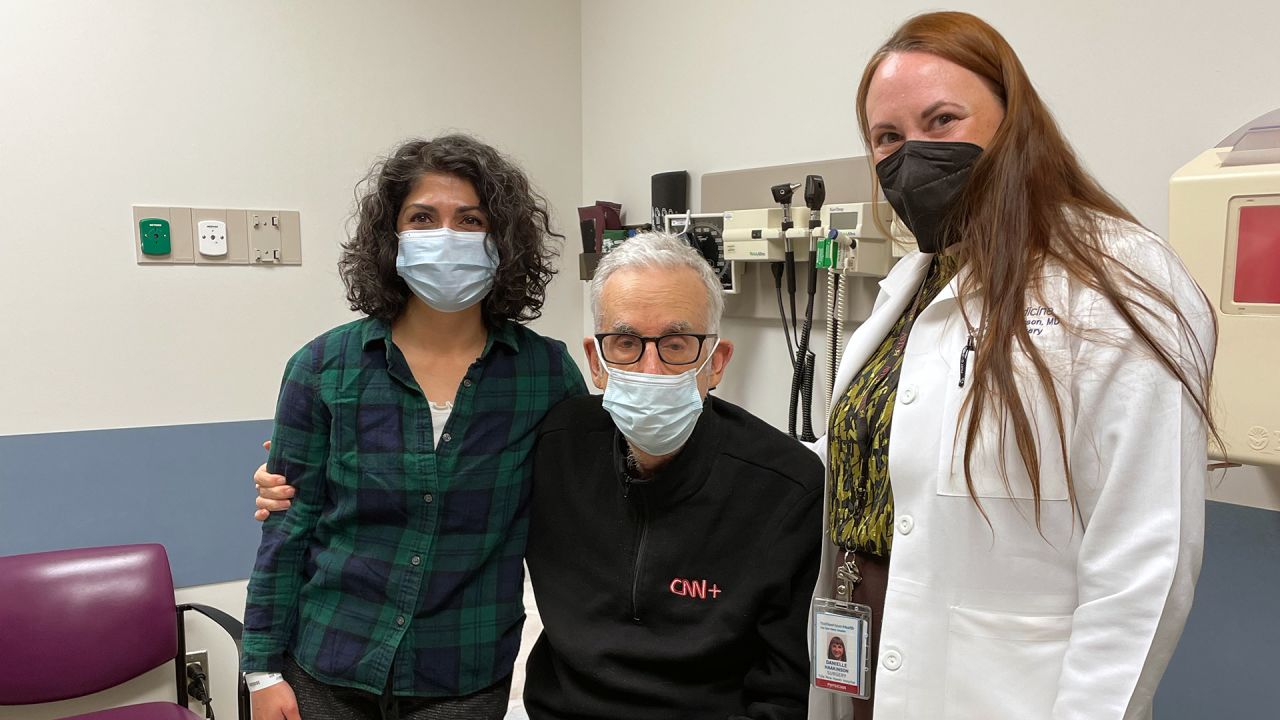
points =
(705, 232)
(1224, 220)
(801, 243)
(838, 241)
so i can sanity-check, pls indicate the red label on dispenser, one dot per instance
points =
(1258, 255)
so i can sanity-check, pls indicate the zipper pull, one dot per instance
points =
(964, 358)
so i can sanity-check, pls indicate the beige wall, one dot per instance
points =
(1139, 88)
(233, 104)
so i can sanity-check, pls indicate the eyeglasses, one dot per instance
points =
(673, 349)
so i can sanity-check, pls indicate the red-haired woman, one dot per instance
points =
(1017, 445)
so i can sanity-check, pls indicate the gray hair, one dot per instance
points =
(658, 250)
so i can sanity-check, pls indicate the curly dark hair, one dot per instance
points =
(519, 228)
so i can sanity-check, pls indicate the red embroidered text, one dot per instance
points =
(695, 589)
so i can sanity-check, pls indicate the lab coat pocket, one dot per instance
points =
(987, 461)
(1003, 665)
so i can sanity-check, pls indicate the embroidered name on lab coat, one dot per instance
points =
(1041, 320)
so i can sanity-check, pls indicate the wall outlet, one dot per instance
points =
(201, 658)
(211, 238)
(231, 222)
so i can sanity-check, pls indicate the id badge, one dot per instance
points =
(841, 643)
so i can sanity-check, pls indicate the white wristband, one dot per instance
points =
(260, 680)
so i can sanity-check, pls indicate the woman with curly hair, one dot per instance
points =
(392, 586)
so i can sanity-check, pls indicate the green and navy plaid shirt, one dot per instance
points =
(399, 564)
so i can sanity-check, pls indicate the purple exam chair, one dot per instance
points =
(75, 622)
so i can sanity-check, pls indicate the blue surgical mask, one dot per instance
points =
(656, 413)
(447, 269)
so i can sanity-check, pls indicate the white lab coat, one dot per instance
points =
(1077, 619)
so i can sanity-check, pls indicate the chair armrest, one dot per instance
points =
(235, 629)
(232, 626)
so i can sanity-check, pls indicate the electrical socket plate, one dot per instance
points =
(211, 236)
(237, 245)
(201, 657)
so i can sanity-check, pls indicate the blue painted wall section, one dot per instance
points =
(1225, 665)
(187, 487)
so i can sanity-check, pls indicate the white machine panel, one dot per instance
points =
(705, 232)
(1224, 220)
(756, 235)
(864, 247)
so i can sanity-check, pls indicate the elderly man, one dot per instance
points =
(674, 537)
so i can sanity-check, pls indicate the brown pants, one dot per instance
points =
(870, 592)
(319, 701)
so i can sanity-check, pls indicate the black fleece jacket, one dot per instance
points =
(684, 595)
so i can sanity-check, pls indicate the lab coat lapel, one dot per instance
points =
(899, 288)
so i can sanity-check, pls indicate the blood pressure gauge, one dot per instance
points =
(705, 232)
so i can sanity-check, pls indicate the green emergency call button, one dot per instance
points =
(155, 236)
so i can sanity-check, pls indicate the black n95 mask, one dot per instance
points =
(921, 180)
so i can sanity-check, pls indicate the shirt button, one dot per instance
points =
(400, 620)
(415, 560)
(909, 394)
(891, 660)
(446, 437)
(428, 497)
(466, 382)
(905, 524)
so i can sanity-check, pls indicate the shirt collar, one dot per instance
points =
(377, 330)
(684, 474)
(914, 270)
(374, 330)
(907, 274)
(505, 333)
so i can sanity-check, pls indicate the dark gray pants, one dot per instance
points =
(318, 701)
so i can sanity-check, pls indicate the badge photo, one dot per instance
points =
(841, 641)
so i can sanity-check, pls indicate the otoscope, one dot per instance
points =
(782, 195)
(815, 193)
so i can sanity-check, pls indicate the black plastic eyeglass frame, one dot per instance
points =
(646, 339)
